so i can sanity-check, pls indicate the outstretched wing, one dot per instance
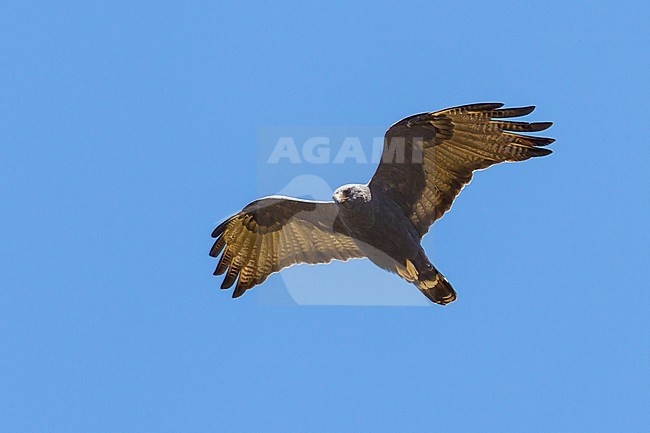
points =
(275, 232)
(428, 158)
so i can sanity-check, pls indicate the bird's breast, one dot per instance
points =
(382, 230)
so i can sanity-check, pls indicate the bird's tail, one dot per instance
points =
(432, 283)
(435, 286)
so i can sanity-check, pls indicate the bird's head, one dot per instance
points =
(348, 195)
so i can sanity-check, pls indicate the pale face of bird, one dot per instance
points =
(347, 195)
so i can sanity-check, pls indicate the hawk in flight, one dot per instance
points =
(427, 159)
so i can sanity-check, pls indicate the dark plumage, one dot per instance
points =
(427, 159)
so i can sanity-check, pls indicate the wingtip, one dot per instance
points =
(228, 281)
(541, 126)
(541, 151)
(221, 227)
(218, 272)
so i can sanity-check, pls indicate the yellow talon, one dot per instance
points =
(409, 273)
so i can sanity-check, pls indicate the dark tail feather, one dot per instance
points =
(436, 287)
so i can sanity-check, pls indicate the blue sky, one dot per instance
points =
(129, 130)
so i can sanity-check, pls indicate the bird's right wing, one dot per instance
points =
(441, 150)
(276, 232)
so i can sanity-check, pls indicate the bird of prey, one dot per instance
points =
(427, 159)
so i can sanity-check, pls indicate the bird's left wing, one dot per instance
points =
(428, 158)
(276, 232)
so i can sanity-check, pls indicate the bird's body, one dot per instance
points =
(386, 236)
(427, 159)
